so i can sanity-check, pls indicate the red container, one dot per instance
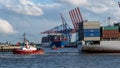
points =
(119, 34)
(110, 34)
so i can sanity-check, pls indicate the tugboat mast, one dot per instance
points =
(24, 39)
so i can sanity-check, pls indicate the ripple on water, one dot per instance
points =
(9, 60)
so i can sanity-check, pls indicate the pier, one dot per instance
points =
(8, 48)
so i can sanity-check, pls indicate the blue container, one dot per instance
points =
(63, 43)
(92, 30)
(92, 34)
(57, 44)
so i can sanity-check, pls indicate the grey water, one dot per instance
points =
(9, 60)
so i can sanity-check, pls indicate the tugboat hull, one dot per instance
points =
(36, 52)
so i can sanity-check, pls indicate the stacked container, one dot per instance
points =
(91, 31)
(80, 32)
(118, 24)
(110, 32)
(119, 35)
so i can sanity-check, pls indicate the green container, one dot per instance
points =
(110, 28)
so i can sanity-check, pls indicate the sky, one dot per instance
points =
(35, 16)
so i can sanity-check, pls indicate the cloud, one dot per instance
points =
(6, 27)
(25, 7)
(94, 9)
(95, 6)
(74, 2)
(99, 8)
(53, 5)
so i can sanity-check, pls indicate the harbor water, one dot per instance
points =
(9, 60)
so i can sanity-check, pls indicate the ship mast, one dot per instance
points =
(24, 39)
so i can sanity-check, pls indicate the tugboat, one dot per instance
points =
(27, 49)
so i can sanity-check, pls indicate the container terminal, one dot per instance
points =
(91, 37)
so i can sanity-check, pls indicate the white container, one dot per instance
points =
(91, 25)
(91, 38)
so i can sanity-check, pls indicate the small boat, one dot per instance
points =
(28, 49)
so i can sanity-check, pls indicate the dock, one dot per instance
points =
(8, 48)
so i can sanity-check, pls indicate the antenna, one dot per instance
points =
(24, 39)
(109, 21)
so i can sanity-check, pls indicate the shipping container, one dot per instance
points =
(93, 34)
(100, 31)
(110, 36)
(57, 44)
(112, 32)
(119, 35)
(91, 38)
(110, 28)
(80, 32)
(119, 29)
(45, 39)
(91, 30)
(91, 25)
(80, 37)
(117, 24)
(80, 26)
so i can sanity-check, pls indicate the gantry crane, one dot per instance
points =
(77, 21)
(64, 28)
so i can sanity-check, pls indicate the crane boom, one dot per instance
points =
(76, 17)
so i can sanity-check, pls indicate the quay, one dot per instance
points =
(48, 50)
(8, 48)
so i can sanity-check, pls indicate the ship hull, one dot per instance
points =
(36, 52)
(102, 51)
(104, 47)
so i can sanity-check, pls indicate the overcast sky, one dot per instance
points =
(35, 16)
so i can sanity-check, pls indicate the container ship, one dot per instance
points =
(54, 40)
(99, 39)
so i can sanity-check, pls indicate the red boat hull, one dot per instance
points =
(36, 52)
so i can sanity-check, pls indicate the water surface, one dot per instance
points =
(9, 60)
